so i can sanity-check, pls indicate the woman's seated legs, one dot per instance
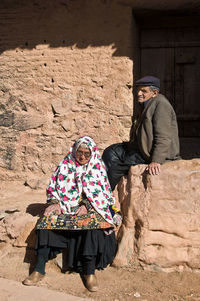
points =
(42, 258)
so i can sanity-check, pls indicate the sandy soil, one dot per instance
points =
(115, 284)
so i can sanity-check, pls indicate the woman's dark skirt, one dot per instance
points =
(81, 245)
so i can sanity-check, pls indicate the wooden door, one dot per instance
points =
(170, 50)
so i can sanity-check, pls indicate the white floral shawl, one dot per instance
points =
(70, 179)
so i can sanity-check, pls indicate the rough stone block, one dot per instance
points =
(161, 217)
(18, 229)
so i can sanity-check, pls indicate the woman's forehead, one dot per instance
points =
(83, 148)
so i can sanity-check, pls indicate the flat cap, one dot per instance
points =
(148, 81)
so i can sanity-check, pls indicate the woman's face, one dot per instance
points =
(83, 155)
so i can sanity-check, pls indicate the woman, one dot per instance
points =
(80, 217)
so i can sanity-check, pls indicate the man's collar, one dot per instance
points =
(146, 102)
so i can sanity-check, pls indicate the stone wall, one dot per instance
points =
(161, 224)
(161, 218)
(66, 71)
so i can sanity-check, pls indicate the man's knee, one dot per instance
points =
(113, 154)
(108, 156)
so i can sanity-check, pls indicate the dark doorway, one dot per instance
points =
(170, 50)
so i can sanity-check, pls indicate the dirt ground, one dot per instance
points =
(115, 284)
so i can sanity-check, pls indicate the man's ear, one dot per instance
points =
(155, 93)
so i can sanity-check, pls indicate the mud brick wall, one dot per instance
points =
(66, 70)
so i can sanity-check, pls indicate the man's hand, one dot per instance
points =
(82, 210)
(154, 168)
(52, 208)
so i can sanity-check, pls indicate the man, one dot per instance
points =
(154, 138)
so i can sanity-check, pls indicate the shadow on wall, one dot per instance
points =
(63, 23)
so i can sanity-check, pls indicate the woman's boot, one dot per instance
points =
(91, 282)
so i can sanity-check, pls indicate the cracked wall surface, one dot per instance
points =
(161, 217)
(66, 71)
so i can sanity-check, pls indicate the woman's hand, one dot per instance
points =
(52, 208)
(82, 210)
(117, 219)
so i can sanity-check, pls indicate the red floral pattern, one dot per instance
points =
(71, 179)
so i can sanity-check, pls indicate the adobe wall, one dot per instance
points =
(66, 71)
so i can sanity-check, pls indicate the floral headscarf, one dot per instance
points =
(71, 179)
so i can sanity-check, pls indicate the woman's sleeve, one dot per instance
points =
(51, 192)
(116, 215)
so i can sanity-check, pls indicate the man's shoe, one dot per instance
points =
(91, 283)
(33, 278)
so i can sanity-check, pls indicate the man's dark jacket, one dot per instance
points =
(157, 131)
